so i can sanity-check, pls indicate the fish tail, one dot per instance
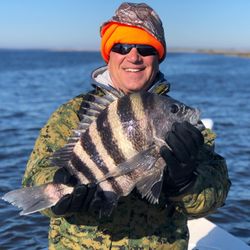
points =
(37, 198)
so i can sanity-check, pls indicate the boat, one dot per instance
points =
(205, 235)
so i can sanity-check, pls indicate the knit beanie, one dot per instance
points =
(133, 24)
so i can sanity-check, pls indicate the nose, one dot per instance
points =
(133, 56)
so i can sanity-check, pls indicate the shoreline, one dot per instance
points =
(245, 54)
(226, 52)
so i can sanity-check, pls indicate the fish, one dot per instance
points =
(116, 146)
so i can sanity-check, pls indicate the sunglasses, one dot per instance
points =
(143, 50)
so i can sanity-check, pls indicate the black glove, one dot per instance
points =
(185, 142)
(78, 200)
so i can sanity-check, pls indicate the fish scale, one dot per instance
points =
(116, 146)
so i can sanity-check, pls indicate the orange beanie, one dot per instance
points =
(113, 33)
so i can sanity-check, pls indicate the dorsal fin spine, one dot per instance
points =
(90, 112)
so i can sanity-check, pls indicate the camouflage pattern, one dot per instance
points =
(134, 224)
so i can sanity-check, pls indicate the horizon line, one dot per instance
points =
(169, 49)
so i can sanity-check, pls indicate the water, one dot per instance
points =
(34, 83)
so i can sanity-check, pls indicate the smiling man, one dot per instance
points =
(133, 45)
(195, 179)
(132, 71)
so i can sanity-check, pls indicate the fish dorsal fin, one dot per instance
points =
(143, 160)
(62, 156)
(150, 186)
(94, 103)
(91, 107)
(107, 94)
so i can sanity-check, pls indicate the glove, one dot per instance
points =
(185, 142)
(78, 200)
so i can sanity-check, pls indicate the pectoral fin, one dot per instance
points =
(143, 160)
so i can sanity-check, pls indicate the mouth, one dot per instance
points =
(195, 116)
(133, 70)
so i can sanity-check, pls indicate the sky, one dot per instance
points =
(74, 24)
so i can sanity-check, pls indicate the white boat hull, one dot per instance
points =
(205, 235)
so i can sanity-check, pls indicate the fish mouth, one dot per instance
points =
(194, 116)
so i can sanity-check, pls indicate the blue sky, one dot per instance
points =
(74, 24)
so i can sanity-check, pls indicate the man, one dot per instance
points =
(195, 182)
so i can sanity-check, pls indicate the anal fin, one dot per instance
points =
(151, 185)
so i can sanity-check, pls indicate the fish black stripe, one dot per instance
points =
(90, 149)
(115, 185)
(148, 101)
(126, 114)
(110, 145)
(106, 135)
(149, 104)
(81, 167)
(124, 109)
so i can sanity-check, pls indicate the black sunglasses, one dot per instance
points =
(143, 50)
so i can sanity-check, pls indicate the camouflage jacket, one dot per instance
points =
(134, 224)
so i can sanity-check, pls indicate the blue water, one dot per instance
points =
(34, 83)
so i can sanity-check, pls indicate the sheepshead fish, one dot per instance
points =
(115, 146)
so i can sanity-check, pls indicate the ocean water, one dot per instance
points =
(34, 83)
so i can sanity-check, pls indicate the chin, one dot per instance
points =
(136, 86)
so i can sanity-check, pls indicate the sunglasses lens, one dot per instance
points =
(146, 50)
(122, 49)
(143, 50)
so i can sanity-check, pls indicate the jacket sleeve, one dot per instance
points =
(52, 137)
(212, 184)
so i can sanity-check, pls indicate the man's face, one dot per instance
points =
(132, 72)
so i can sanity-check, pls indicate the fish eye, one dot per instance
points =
(174, 108)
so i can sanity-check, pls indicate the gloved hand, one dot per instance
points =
(78, 200)
(185, 142)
